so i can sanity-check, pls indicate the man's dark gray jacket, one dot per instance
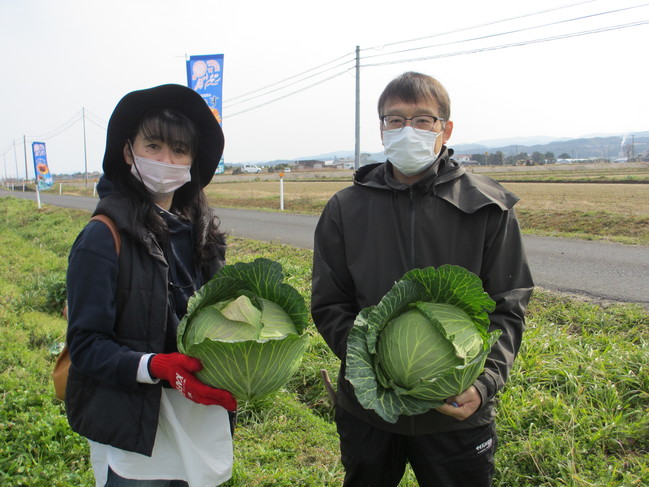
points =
(374, 231)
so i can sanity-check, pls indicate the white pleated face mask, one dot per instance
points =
(160, 178)
(410, 151)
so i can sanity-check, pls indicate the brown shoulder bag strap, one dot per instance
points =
(113, 229)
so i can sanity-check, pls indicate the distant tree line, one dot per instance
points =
(499, 159)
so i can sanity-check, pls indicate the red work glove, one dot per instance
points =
(177, 369)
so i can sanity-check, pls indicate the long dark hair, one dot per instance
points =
(189, 201)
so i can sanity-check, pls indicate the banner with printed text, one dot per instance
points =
(205, 76)
(43, 177)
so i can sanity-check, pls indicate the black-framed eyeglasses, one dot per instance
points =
(423, 123)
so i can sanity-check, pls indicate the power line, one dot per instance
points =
(524, 29)
(96, 124)
(291, 78)
(9, 147)
(292, 93)
(225, 106)
(297, 81)
(62, 128)
(97, 119)
(514, 44)
(91, 117)
(455, 31)
(229, 104)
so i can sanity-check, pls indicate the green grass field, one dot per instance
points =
(575, 411)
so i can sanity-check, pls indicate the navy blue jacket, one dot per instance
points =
(118, 310)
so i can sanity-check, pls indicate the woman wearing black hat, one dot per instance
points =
(149, 420)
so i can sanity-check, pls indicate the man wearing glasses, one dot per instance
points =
(418, 209)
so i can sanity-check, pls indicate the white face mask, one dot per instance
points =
(410, 151)
(160, 178)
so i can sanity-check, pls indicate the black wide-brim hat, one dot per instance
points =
(130, 110)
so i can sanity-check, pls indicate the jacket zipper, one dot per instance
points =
(412, 228)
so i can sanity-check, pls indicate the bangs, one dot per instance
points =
(170, 127)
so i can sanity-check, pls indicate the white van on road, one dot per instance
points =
(250, 169)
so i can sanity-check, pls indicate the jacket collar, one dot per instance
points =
(445, 179)
(380, 175)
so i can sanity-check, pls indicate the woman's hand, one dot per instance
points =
(178, 370)
(463, 405)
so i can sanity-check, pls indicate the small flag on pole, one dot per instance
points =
(205, 76)
(41, 169)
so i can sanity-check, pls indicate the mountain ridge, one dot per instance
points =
(608, 146)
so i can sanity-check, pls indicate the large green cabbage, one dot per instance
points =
(247, 327)
(425, 341)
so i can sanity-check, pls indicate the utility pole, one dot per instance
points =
(15, 159)
(25, 151)
(85, 157)
(357, 145)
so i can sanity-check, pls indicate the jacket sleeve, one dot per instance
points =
(333, 300)
(91, 287)
(507, 279)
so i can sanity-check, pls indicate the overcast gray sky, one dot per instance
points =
(59, 57)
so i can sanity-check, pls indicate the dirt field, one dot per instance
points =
(624, 199)
(629, 199)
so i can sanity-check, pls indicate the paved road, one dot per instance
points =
(605, 271)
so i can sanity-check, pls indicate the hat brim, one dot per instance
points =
(134, 105)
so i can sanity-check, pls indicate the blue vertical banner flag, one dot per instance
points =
(41, 169)
(205, 76)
